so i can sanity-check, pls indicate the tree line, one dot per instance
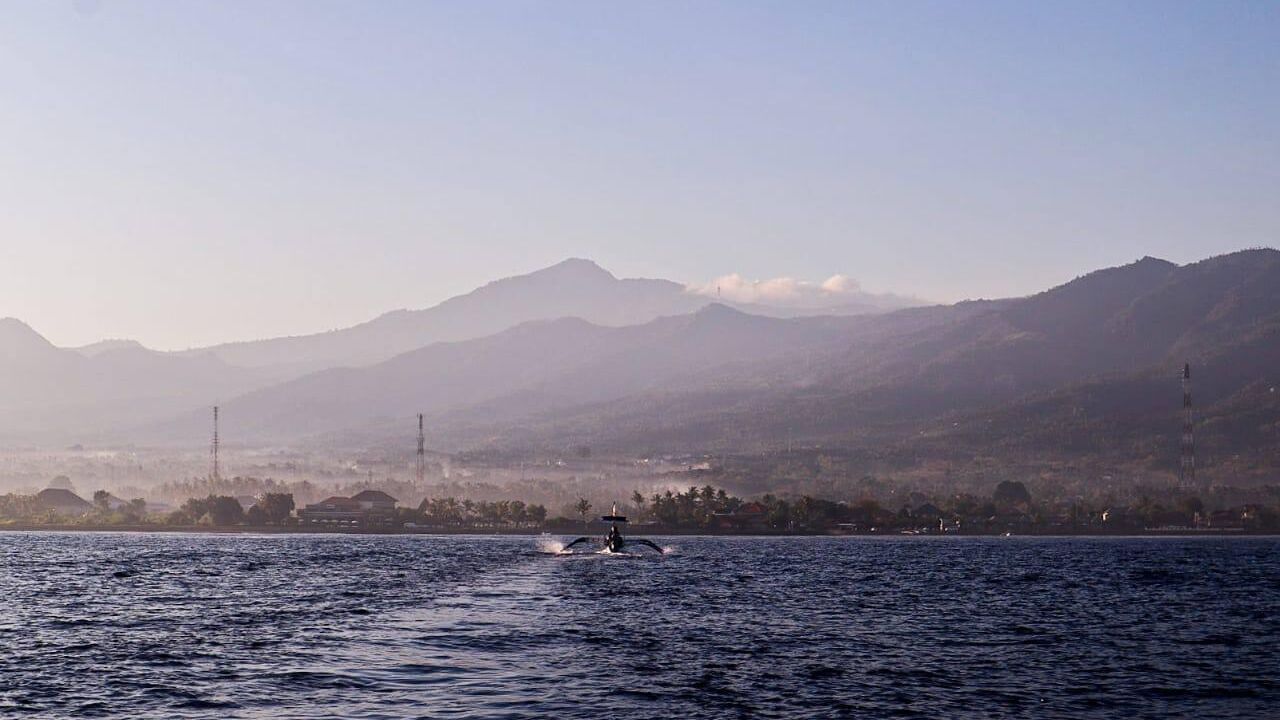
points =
(452, 512)
(224, 511)
(706, 508)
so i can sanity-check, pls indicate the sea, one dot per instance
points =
(163, 625)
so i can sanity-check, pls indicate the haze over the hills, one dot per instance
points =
(104, 389)
(577, 357)
(573, 288)
(55, 394)
(722, 379)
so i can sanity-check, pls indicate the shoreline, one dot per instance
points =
(524, 532)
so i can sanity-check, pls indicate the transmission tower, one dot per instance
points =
(213, 449)
(1187, 468)
(422, 454)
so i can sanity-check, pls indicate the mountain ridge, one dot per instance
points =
(716, 376)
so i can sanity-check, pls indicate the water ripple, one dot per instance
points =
(294, 626)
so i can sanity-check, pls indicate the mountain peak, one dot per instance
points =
(18, 339)
(719, 315)
(13, 330)
(1251, 256)
(576, 267)
(719, 310)
(573, 271)
(1150, 261)
(1130, 279)
(109, 345)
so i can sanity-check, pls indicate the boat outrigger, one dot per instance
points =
(614, 542)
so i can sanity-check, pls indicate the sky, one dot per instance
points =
(185, 173)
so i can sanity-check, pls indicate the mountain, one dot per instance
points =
(719, 377)
(538, 366)
(572, 288)
(31, 367)
(21, 345)
(50, 392)
(1095, 353)
(115, 385)
(103, 346)
(1088, 367)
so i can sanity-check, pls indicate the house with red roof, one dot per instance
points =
(370, 508)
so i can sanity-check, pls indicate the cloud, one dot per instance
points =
(780, 290)
(840, 284)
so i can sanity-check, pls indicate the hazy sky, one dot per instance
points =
(187, 172)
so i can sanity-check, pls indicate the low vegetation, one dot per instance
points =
(1009, 507)
(454, 513)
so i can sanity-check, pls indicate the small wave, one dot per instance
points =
(550, 546)
(397, 626)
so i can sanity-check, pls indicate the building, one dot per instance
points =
(376, 501)
(751, 516)
(63, 502)
(370, 508)
(378, 507)
(332, 511)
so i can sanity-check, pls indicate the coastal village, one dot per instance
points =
(707, 509)
(683, 494)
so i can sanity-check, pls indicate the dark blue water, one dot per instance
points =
(294, 626)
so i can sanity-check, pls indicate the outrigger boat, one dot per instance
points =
(614, 542)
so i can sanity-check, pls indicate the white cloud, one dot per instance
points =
(840, 284)
(779, 290)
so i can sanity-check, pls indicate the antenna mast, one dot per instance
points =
(422, 454)
(1187, 469)
(213, 450)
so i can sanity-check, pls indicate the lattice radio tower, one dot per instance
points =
(1187, 469)
(422, 454)
(213, 448)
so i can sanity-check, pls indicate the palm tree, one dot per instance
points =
(637, 499)
(583, 506)
(453, 510)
